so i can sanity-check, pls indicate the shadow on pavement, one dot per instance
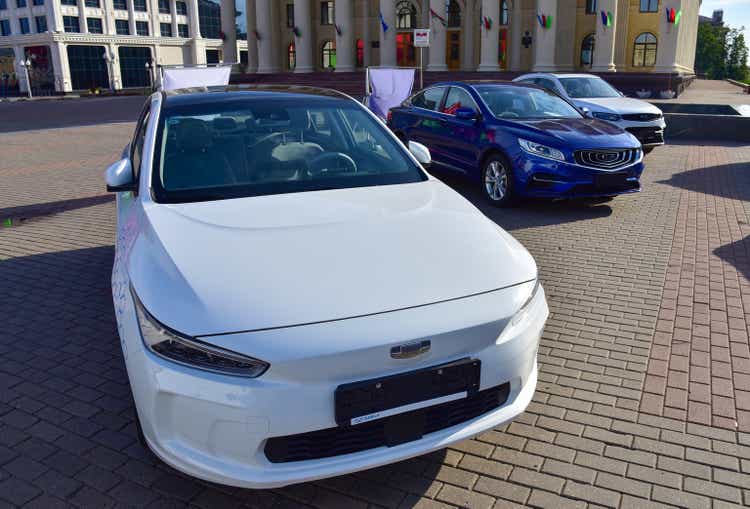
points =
(25, 212)
(737, 254)
(727, 180)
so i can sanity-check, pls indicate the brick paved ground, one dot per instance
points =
(655, 283)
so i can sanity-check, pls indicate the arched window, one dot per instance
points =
(454, 14)
(291, 56)
(328, 55)
(504, 13)
(644, 50)
(587, 50)
(406, 15)
(360, 53)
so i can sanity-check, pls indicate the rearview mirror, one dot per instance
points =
(119, 177)
(466, 114)
(586, 112)
(420, 153)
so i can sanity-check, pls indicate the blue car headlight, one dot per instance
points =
(540, 150)
(603, 115)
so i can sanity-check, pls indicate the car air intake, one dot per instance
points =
(641, 117)
(610, 159)
(349, 439)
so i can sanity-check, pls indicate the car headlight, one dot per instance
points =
(524, 309)
(603, 115)
(540, 150)
(191, 352)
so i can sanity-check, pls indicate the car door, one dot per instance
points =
(459, 144)
(423, 114)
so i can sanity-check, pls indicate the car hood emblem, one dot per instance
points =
(409, 350)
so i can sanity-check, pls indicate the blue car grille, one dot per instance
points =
(610, 159)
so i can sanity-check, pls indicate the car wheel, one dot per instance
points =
(497, 181)
(647, 150)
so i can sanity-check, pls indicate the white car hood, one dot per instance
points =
(291, 259)
(621, 105)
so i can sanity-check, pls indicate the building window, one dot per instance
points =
(290, 15)
(38, 2)
(590, 6)
(41, 24)
(504, 12)
(240, 20)
(243, 58)
(164, 6)
(74, 3)
(209, 18)
(133, 66)
(213, 56)
(406, 15)
(182, 31)
(140, 5)
(70, 24)
(291, 56)
(649, 5)
(87, 67)
(4, 27)
(3, 5)
(20, 3)
(92, 3)
(122, 27)
(644, 51)
(181, 8)
(94, 25)
(360, 53)
(587, 50)
(165, 29)
(328, 55)
(141, 28)
(120, 5)
(24, 24)
(454, 14)
(326, 13)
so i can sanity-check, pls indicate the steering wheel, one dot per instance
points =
(331, 163)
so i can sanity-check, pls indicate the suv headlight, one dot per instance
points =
(610, 117)
(191, 352)
(524, 309)
(540, 150)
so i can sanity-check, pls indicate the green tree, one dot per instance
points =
(737, 57)
(711, 51)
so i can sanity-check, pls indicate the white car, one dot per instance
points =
(297, 298)
(600, 100)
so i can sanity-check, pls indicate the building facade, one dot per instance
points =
(84, 44)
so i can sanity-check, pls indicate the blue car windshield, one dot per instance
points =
(579, 88)
(525, 103)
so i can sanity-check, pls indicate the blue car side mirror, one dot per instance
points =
(466, 114)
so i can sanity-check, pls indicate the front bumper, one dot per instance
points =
(650, 133)
(215, 427)
(545, 178)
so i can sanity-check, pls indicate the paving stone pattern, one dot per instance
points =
(643, 389)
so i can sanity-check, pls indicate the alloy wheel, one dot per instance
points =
(496, 181)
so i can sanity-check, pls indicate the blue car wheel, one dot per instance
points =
(497, 181)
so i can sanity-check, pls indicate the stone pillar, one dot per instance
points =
(304, 42)
(82, 17)
(489, 39)
(437, 36)
(199, 46)
(366, 37)
(469, 23)
(388, 39)
(545, 38)
(229, 28)
(264, 26)
(54, 17)
(173, 10)
(155, 21)
(19, 56)
(115, 75)
(514, 36)
(344, 14)
(675, 50)
(131, 16)
(604, 51)
(252, 43)
(59, 53)
(108, 23)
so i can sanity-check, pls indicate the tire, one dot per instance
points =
(497, 181)
(647, 150)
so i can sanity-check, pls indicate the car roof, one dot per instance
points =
(561, 74)
(229, 93)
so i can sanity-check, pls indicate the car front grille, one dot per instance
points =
(610, 159)
(647, 135)
(641, 117)
(349, 439)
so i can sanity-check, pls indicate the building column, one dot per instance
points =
(303, 43)
(264, 26)
(109, 18)
(675, 41)
(515, 36)
(366, 37)
(173, 10)
(604, 49)
(252, 43)
(388, 39)
(489, 39)
(344, 15)
(229, 27)
(131, 16)
(199, 46)
(82, 17)
(545, 38)
(19, 56)
(438, 34)
(468, 28)
(54, 17)
(115, 75)
(61, 68)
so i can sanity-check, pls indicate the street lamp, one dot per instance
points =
(150, 69)
(26, 64)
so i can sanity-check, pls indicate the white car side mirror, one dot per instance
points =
(420, 153)
(119, 177)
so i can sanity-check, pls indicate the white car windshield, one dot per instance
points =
(271, 145)
(579, 88)
(518, 102)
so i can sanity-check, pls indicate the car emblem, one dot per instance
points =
(410, 350)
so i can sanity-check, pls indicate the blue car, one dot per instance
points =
(520, 140)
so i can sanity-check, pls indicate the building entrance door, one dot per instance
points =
(453, 49)
(133, 66)
(88, 69)
(405, 49)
